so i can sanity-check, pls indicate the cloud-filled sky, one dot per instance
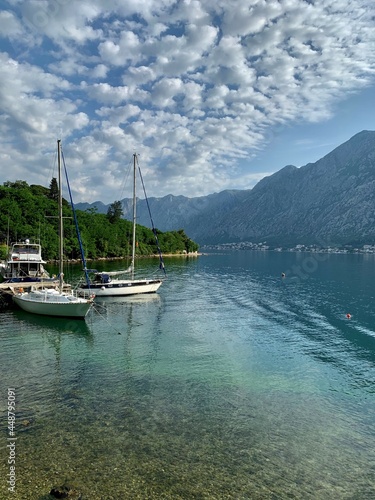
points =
(212, 94)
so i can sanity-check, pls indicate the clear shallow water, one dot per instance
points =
(231, 382)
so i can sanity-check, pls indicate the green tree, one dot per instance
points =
(29, 212)
(16, 184)
(115, 212)
(54, 189)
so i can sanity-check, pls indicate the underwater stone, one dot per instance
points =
(65, 491)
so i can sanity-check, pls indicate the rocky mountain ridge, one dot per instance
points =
(331, 201)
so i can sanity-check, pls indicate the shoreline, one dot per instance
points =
(153, 256)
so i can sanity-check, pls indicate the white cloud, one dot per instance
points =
(33, 102)
(194, 86)
(61, 20)
(122, 52)
(9, 25)
(105, 93)
(165, 90)
(99, 71)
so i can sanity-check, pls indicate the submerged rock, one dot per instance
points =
(65, 491)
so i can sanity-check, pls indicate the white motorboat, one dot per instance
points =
(24, 264)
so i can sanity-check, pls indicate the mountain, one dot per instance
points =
(331, 201)
(175, 212)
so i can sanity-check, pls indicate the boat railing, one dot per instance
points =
(25, 258)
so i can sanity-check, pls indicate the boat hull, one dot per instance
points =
(62, 305)
(119, 288)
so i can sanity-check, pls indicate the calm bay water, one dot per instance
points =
(231, 382)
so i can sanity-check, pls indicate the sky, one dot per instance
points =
(211, 94)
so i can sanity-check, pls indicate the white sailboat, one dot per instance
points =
(55, 302)
(104, 284)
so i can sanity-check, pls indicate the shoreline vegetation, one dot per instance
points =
(29, 213)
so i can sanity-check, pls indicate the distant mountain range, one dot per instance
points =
(331, 201)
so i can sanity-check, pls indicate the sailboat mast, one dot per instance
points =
(134, 213)
(61, 229)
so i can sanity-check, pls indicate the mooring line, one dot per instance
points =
(95, 307)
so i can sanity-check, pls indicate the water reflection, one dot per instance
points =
(51, 324)
(130, 299)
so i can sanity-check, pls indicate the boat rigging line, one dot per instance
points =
(161, 265)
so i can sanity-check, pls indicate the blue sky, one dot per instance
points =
(213, 94)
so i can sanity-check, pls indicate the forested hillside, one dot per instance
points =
(31, 212)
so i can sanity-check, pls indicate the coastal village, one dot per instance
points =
(248, 245)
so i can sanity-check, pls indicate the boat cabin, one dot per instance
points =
(24, 263)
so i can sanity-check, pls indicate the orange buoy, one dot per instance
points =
(348, 315)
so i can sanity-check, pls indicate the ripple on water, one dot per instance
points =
(231, 384)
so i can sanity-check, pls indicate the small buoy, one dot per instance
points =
(283, 275)
(348, 315)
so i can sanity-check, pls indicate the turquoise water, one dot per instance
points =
(231, 382)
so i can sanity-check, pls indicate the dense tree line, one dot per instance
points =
(31, 212)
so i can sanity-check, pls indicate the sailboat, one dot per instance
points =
(55, 301)
(105, 284)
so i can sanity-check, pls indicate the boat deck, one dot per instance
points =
(13, 288)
